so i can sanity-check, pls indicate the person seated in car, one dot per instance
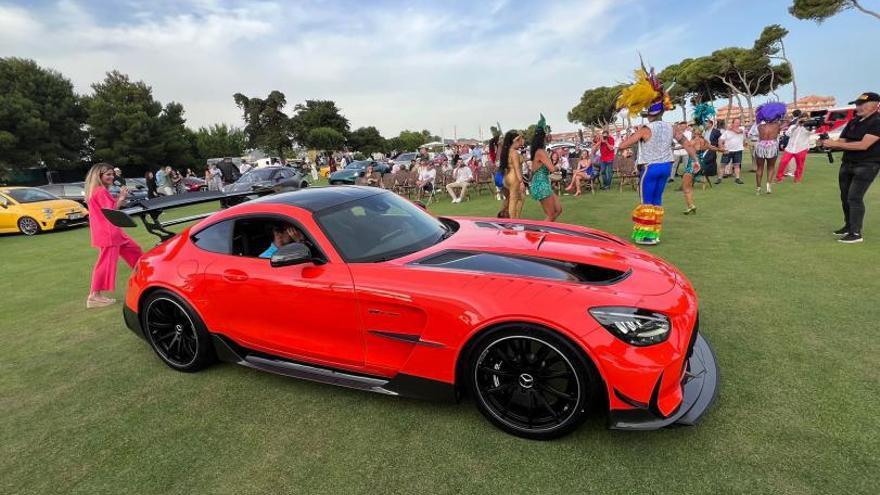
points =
(283, 235)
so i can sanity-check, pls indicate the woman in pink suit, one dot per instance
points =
(110, 240)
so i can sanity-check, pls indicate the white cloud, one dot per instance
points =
(415, 67)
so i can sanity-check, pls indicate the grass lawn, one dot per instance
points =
(86, 407)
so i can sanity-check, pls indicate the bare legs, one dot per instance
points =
(515, 196)
(687, 187)
(576, 183)
(552, 208)
(760, 165)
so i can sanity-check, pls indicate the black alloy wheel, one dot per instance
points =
(28, 226)
(176, 333)
(531, 382)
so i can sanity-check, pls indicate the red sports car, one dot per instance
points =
(537, 322)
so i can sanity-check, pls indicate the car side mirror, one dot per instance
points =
(295, 253)
(4, 204)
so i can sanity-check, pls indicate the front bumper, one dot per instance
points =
(699, 390)
(61, 222)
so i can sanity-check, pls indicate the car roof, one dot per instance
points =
(315, 199)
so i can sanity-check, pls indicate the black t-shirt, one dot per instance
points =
(855, 130)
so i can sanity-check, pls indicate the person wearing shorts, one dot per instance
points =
(732, 141)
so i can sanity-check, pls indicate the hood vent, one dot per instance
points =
(544, 229)
(525, 266)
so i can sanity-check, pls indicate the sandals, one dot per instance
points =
(99, 302)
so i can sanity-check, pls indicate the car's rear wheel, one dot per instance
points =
(28, 226)
(176, 333)
(530, 381)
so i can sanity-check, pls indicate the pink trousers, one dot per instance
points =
(799, 159)
(104, 275)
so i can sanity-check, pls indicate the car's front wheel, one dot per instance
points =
(176, 333)
(28, 226)
(530, 381)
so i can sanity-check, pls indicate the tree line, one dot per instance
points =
(43, 122)
(732, 73)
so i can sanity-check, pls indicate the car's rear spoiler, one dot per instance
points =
(149, 210)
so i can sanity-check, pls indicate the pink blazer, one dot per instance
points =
(104, 233)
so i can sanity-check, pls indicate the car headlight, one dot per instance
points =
(47, 212)
(635, 326)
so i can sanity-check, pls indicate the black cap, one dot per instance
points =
(865, 97)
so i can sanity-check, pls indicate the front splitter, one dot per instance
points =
(700, 388)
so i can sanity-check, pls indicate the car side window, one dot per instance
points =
(217, 238)
(74, 191)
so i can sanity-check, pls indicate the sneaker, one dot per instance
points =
(739, 181)
(851, 238)
(718, 181)
(671, 180)
(769, 191)
(841, 231)
(757, 191)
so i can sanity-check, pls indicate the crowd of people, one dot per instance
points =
(653, 152)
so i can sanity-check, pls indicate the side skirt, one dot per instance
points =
(401, 384)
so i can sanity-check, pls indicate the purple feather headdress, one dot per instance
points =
(770, 112)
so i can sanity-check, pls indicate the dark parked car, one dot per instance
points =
(73, 190)
(277, 178)
(355, 169)
(137, 190)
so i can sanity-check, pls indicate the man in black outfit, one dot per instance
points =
(860, 142)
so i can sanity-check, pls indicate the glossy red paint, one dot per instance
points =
(334, 314)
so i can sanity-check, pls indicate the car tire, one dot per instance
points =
(303, 185)
(531, 382)
(176, 332)
(29, 226)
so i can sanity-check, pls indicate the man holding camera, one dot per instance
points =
(860, 143)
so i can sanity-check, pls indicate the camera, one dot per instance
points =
(823, 137)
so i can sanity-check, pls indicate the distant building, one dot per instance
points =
(811, 103)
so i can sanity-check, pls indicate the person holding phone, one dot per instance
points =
(111, 241)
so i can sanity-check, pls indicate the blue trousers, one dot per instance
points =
(607, 172)
(653, 181)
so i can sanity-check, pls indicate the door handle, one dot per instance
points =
(235, 275)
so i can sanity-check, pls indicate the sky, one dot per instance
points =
(453, 67)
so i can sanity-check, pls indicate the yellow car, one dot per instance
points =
(30, 211)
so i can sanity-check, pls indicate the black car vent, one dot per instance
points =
(523, 266)
(544, 229)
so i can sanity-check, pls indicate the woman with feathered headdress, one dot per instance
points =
(655, 144)
(769, 117)
(541, 168)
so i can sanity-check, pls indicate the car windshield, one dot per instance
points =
(257, 175)
(381, 227)
(30, 195)
(405, 157)
(358, 165)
